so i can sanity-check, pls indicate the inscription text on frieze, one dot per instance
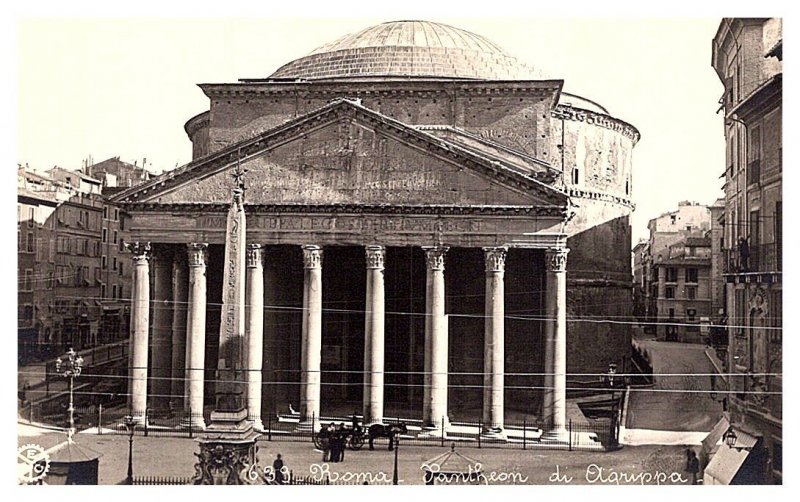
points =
(344, 223)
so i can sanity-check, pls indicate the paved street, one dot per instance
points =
(675, 411)
(174, 457)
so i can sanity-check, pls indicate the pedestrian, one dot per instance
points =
(334, 446)
(325, 438)
(692, 465)
(277, 467)
(342, 441)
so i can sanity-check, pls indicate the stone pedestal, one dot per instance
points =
(228, 452)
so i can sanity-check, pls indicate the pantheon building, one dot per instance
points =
(433, 232)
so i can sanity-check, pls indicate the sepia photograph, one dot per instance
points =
(375, 248)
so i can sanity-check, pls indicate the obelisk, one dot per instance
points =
(228, 447)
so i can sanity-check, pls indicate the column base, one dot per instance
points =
(494, 434)
(306, 426)
(195, 423)
(555, 435)
(256, 423)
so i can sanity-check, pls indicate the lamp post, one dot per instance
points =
(395, 476)
(612, 371)
(70, 368)
(130, 424)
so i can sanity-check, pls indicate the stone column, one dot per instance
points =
(196, 335)
(494, 341)
(436, 341)
(255, 332)
(374, 336)
(312, 335)
(140, 323)
(180, 295)
(160, 386)
(555, 382)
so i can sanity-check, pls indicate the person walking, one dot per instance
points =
(326, 440)
(342, 441)
(278, 468)
(692, 465)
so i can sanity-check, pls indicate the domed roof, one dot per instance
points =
(409, 48)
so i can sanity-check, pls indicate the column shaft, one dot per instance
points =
(140, 321)
(436, 339)
(555, 402)
(374, 336)
(494, 341)
(196, 334)
(255, 332)
(312, 334)
(180, 295)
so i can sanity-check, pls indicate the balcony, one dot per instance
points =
(751, 259)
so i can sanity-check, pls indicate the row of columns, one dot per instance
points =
(181, 370)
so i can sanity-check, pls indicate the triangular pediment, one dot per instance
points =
(347, 154)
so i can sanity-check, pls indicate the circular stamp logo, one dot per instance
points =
(32, 463)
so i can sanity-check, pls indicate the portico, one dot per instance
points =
(306, 223)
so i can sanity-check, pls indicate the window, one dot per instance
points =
(670, 292)
(672, 313)
(104, 261)
(40, 250)
(691, 292)
(576, 175)
(690, 314)
(754, 155)
(115, 236)
(672, 274)
(116, 214)
(114, 263)
(30, 243)
(28, 283)
(105, 234)
(691, 274)
(103, 290)
(31, 216)
(114, 291)
(121, 267)
(105, 212)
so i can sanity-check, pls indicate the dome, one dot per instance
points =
(409, 49)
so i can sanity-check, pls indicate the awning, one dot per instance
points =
(727, 461)
(715, 436)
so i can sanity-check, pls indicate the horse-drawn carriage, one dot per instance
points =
(355, 436)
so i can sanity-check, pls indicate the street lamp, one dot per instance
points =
(612, 371)
(730, 438)
(70, 368)
(396, 449)
(130, 424)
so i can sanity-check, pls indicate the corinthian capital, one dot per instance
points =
(556, 259)
(139, 250)
(312, 256)
(434, 256)
(197, 253)
(376, 256)
(495, 259)
(254, 255)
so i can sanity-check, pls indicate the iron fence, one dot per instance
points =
(600, 434)
(160, 480)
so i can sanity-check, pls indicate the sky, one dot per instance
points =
(99, 88)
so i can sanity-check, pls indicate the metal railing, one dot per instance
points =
(757, 258)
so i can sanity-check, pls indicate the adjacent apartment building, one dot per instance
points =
(747, 56)
(73, 279)
(672, 291)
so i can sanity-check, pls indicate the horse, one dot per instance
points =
(386, 431)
